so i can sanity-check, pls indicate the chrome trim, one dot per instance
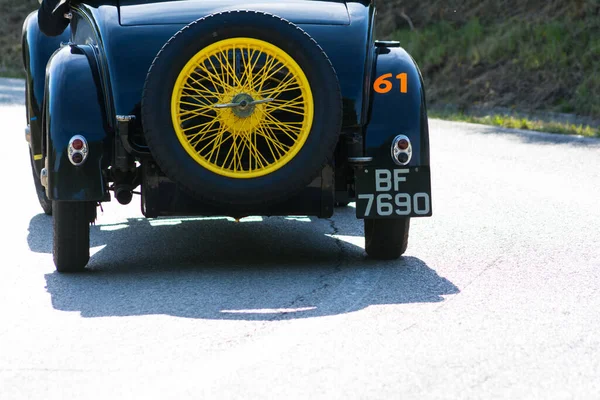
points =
(360, 160)
(242, 104)
(60, 3)
(396, 151)
(84, 150)
(28, 134)
(125, 118)
(387, 43)
(44, 177)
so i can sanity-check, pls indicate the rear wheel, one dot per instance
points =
(386, 239)
(71, 248)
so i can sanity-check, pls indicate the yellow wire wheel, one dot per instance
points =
(242, 108)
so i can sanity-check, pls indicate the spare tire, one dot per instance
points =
(242, 108)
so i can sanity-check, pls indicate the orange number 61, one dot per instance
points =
(383, 85)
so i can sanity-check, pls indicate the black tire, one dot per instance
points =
(386, 239)
(36, 167)
(71, 248)
(39, 189)
(213, 188)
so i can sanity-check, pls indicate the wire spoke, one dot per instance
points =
(221, 75)
(252, 66)
(204, 77)
(216, 145)
(235, 153)
(288, 111)
(290, 131)
(228, 153)
(210, 113)
(213, 77)
(194, 139)
(281, 88)
(259, 131)
(291, 107)
(261, 73)
(231, 73)
(283, 125)
(270, 73)
(228, 70)
(285, 101)
(198, 97)
(206, 93)
(197, 105)
(194, 115)
(205, 124)
(259, 158)
(211, 138)
(280, 147)
(224, 73)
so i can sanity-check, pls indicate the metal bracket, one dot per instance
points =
(44, 177)
(123, 129)
(360, 160)
(125, 118)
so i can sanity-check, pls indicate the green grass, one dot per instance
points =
(551, 65)
(520, 123)
(12, 16)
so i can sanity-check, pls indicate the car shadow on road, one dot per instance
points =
(280, 268)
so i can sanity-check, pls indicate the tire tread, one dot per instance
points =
(71, 225)
(386, 239)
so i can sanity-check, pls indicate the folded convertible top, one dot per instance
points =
(185, 11)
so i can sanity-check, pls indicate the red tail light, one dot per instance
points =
(77, 150)
(401, 150)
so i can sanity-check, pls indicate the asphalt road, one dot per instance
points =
(498, 295)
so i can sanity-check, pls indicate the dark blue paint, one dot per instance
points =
(397, 113)
(37, 49)
(75, 106)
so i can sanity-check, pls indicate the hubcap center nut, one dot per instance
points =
(245, 108)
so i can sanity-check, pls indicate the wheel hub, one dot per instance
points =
(243, 118)
(246, 108)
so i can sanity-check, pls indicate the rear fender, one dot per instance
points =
(75, 105)
(37, 49)
(394, 112)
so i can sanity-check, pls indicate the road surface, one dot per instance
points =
(498, 295)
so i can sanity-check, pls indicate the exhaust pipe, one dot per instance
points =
(123, 194)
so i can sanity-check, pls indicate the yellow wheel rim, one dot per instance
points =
(242, 108)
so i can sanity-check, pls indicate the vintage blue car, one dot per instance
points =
(225, 107)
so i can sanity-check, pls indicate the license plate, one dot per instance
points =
(393, 193)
